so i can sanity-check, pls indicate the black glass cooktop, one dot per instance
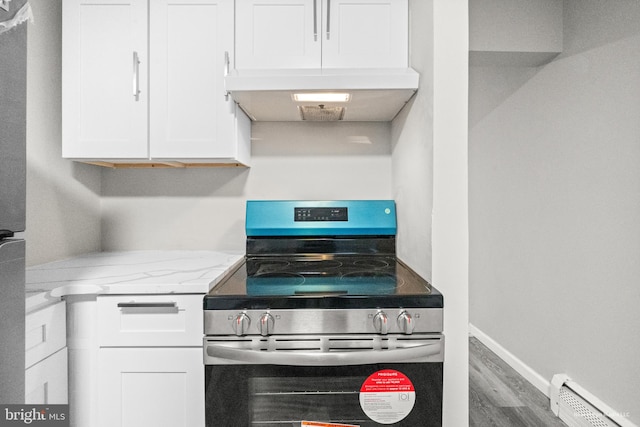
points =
(322, 281)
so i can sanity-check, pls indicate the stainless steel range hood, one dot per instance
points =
(373, 94)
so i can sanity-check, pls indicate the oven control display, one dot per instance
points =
(321, 214)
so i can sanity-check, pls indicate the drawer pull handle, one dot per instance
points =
(147, 305)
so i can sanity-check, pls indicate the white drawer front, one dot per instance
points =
(150, 320)
(45, 333)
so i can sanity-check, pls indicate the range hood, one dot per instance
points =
(373, 94)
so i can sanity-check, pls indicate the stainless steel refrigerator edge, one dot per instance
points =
(13, 93)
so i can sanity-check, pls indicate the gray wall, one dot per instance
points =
(204, 208)
(63, 198)
(555, 202)
(412, 132)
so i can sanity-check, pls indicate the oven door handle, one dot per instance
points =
(430, 352)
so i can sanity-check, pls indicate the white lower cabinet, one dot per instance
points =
(149, 366)
(154, 387)
(46, 356)
(46, 381)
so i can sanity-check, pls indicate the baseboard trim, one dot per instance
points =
(537, 380)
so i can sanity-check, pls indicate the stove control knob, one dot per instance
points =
(241, 324)
(406, 322)
(381, 322)
(266, 324)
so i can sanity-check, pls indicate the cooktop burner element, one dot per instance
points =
(323, 258)
(347, 277)
(310, 266)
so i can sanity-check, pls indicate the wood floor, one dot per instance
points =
(499, 396)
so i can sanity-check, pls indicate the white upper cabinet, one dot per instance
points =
(144, 80)
(294, 34)
(104, 60)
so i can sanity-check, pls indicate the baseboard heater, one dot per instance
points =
(579, 408)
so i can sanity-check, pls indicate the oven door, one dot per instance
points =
(363, 381)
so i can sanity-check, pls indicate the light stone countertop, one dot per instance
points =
(135, 272)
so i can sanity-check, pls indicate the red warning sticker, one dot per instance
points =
(387, 396)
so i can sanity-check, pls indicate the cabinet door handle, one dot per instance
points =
(328, 19)
(315, 20)
(226, 73)
(226, 63)
(136, 77)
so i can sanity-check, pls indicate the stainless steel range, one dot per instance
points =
(322, 323)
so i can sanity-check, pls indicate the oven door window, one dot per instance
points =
(283, 396)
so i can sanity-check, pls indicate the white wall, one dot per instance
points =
(63, 206)
(204, 208)
(430, 180)
(555, 202)
(450, 197)
(412, 132)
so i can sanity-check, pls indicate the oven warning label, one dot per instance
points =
(387, 396)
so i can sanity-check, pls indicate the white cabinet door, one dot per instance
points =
(151, 387)
(365, 34)
(190, 117)
(104, 60)
(298, 34)
(278, 34)
(46, 381)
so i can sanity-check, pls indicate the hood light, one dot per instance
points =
(321, 97)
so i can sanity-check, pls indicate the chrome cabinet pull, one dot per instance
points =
(226, 73)
(136, 77)
(328, 19)
(315, 21)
